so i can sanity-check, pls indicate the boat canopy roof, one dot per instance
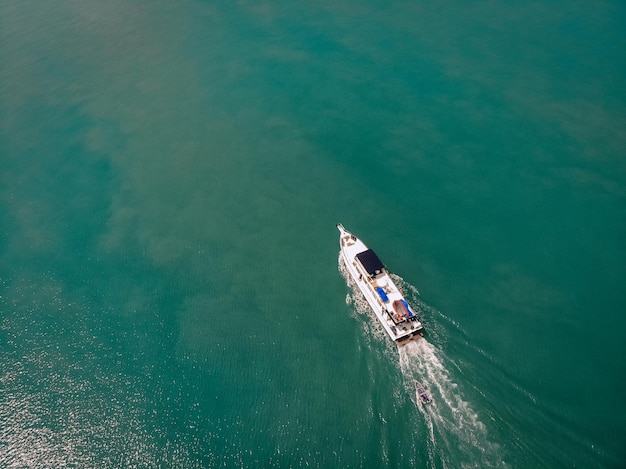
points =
(370, 261)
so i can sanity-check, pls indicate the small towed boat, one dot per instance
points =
(421, 393)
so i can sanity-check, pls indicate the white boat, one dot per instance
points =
(421, 394)
(385, 298)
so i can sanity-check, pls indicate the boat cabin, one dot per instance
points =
(371, 264)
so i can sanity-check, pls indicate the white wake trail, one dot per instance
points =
(454, 427)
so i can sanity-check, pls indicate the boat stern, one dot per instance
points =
(410, 337)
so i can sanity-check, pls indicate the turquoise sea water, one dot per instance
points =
(171, 174)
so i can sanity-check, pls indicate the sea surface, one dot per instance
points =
(171, 173)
